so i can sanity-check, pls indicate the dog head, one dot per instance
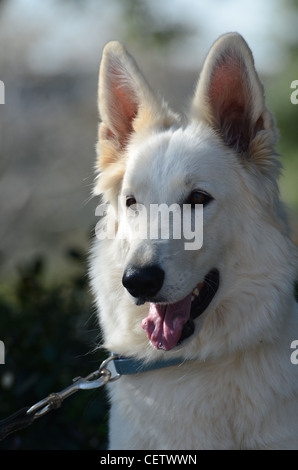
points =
(218, 163)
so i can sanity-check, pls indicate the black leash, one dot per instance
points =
(122, 365)
(26, 416)
(15, 422)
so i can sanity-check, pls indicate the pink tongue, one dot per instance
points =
(165, 322)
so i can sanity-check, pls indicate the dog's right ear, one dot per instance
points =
(126, 105)
(126, 102)
(121, 91)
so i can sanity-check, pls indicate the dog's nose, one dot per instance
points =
(143, 282)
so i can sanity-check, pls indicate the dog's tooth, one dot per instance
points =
(193, 297)
(196, 291)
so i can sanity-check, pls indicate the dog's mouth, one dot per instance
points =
(167, 325)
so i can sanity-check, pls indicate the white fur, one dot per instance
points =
(238, 388)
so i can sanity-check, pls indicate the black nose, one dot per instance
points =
(143, 282)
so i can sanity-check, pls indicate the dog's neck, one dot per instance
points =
(130, 365)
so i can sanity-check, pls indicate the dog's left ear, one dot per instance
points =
(230, 96)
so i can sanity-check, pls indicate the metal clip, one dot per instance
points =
(94, 380)
(106, 362)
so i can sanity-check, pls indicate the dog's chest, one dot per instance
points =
(167, 410)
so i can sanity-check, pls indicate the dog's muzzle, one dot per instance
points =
(143, 283)
(168, 324)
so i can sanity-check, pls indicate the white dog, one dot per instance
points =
(219, 320)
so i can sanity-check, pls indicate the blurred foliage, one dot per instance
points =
(49, 341)
(279, 92)
(144, 24)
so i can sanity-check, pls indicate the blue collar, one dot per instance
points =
(129, 365)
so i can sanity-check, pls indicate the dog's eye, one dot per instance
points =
(198, 197)
(130, 201)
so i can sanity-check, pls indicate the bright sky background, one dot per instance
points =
(63, 36)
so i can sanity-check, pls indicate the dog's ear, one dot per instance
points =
(230, 96)
(119, 93)
(126, 105)
(126, 101)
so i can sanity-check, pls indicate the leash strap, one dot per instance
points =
(24, 417)
(15, 422)
(123, 366)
